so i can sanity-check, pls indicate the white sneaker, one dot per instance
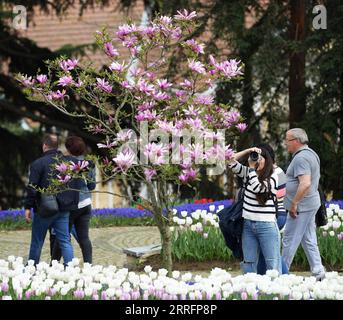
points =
(320, 276)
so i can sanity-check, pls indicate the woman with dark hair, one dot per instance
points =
(80, 218)
(281, 214)
(260, 231)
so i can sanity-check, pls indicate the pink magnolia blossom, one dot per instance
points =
(126, 84)
(67, 65)
(185, 16)
(124, 160)
(197, 152)
(156, 152)
(161, 96)
(196, 66)
(124, 135)
(108, 145)
(186, 84)
(64, 179)
(241, 126)
(136, 72)
(79, 166)
(204, 99)
(125, 30)
(164, 84)
(150, 76)
(28, 81)
(165, 20)
(146, 106)
(104, 85)
(110, 50)
(183, 178)
(65, 81)
(165, 125)
(130, 42)
(58, 95)
(79, 83)
(232, 116)
(146, 115)
(149, 174)
(116, 66)
(181, 95)
(42, 78)
(176, 33)
(188, 175)
(61, 168)
(144, 87)
(191, 111)
(196, 47)
(195, 123)
(228, 152)
(216, 136)
(209, 118)
(98, 129)
(150, 31)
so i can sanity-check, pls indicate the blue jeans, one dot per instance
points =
(260, 236)
(40, 226)
(261, 265)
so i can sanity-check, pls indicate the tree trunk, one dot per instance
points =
(162, 223)
(338, 187)
(297, 94)
(166, 239)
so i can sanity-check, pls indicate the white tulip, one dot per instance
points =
(195, 215)
(189, 221)
(147, 269)
(163, 272)
(212, 207)
(176, 274)
(336, 224)
(184, 214)
(332, 233)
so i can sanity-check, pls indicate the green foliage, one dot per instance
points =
(192, 246)
(19, 223)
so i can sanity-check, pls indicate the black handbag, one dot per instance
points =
(48, 206)
(321, 215)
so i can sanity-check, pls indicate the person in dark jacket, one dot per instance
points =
(41, 171)
(80, 218)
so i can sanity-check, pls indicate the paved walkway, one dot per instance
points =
(107, 243)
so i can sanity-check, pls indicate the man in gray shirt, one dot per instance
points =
(302, 202)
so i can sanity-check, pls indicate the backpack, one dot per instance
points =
(231, 225)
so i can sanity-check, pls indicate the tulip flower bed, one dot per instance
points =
(14, 219)
(96, 282)
(198, 238)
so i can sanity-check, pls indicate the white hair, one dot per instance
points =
(299, 134)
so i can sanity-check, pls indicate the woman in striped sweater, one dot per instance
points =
(260, 231)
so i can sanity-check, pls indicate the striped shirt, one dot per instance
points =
(252, 210)
(281, 190)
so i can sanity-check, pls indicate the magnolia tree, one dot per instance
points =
(155, 131)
